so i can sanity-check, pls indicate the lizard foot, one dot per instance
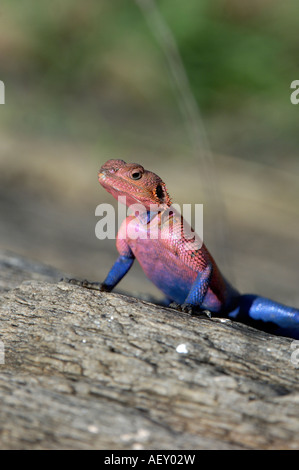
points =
(85, 283)
(189, 308)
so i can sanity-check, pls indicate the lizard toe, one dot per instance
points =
(86, 284)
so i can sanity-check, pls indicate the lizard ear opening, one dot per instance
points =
(159, 192)
(162, 194)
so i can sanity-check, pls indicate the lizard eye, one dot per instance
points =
(136, 175)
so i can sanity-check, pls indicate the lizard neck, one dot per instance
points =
(146, 217)
(161, 216)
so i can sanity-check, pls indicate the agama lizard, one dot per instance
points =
(180, 266)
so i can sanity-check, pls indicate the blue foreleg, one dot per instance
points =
(117, 272)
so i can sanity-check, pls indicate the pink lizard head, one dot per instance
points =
(133, 181)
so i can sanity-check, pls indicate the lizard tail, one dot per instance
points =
(267, 315)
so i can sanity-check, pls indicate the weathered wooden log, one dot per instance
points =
(88, 370)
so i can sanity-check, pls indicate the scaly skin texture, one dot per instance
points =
(177, 263)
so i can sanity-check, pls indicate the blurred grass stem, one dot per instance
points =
(193, 122)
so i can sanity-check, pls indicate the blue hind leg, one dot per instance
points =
(267, 315)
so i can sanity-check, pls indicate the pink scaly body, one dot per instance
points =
(170, 262)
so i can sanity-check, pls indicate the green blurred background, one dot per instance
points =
(86, 81)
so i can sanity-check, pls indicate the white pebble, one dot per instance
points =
(181, 349)
(93, 429)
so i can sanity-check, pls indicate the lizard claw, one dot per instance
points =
(174, 305)
(189, 308)
(207, 313)
(84, 283)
